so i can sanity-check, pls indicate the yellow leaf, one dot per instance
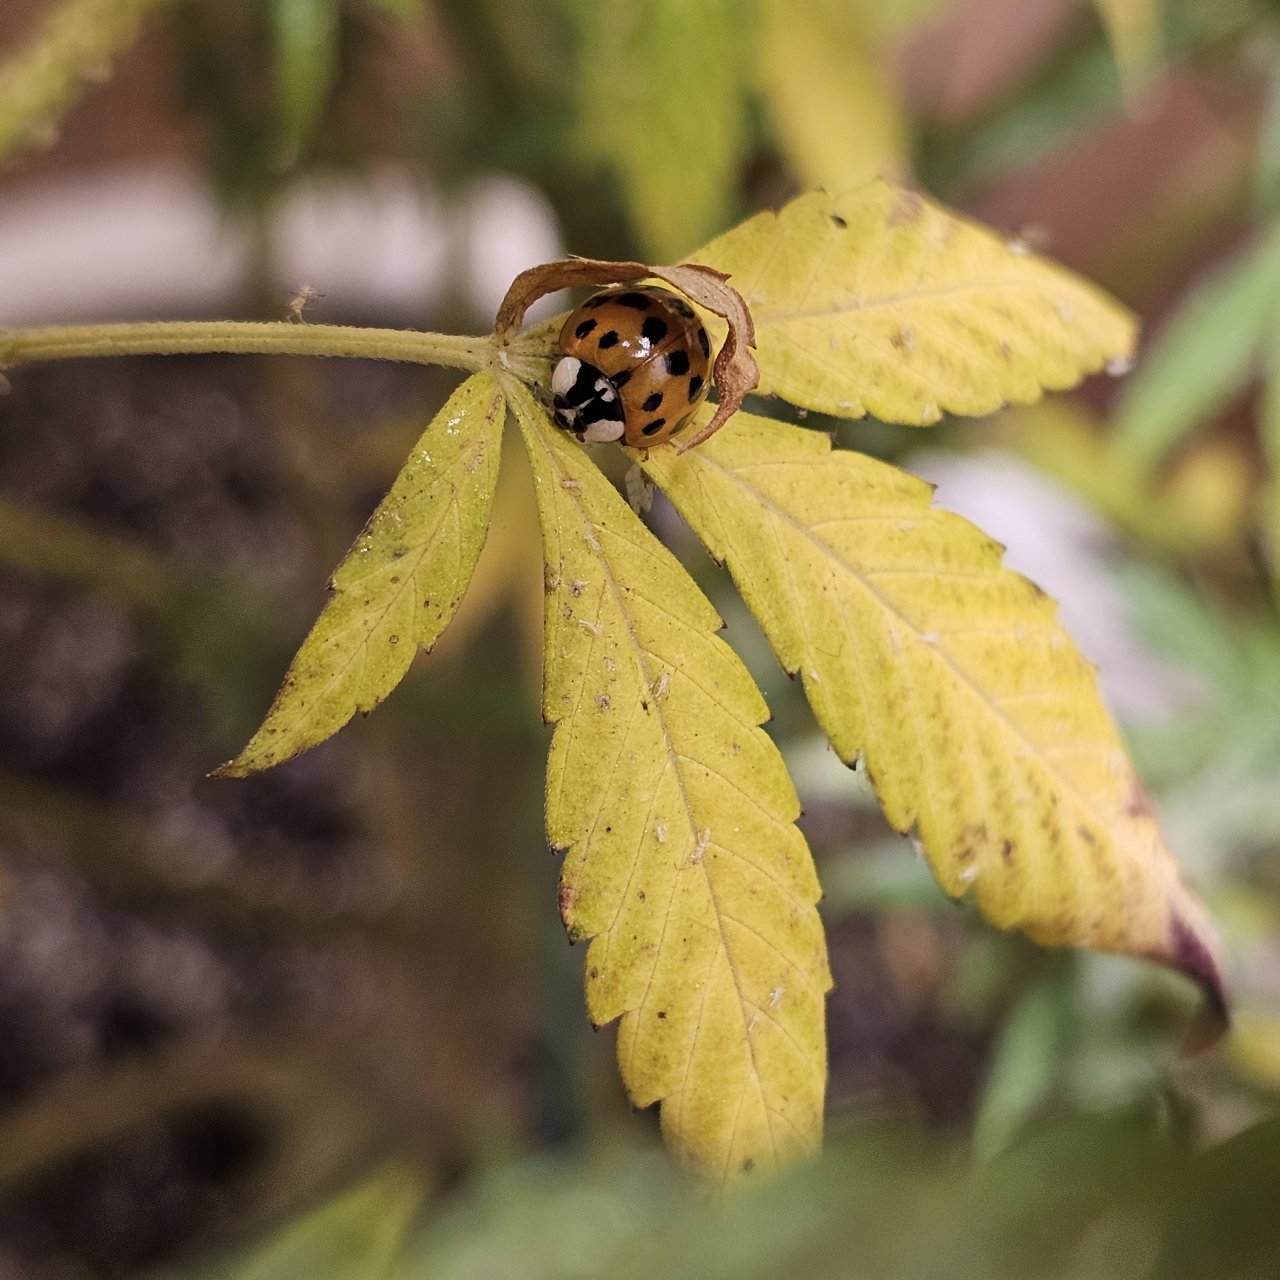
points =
(979, 723)
(399, 585)
(683, 864)
(880, 302)
(504, 575)
(660, 101)
(1133, 27)
(822, 74)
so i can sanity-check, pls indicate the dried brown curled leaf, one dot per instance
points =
(735, 371)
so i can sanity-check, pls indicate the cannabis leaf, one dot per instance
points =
(880, 302)
(682, 861)
(978, 721)
(399, 585)
(947, 676)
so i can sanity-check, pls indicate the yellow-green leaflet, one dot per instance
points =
(682, 861)
(400, 584)
(807, 58)
(661, 102)
(1134, 29)
(979, 723)
(880, 302)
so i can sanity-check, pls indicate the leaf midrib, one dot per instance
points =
(785, 517)
(673, 756)
(764, 318)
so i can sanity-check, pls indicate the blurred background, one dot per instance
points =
(325, 1022)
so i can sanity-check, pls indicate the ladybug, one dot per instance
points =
(634, 366)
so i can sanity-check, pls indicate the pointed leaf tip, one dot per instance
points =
(398, 586)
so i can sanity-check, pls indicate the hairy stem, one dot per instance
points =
(261, 338)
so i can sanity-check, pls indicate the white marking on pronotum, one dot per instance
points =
(565, 375)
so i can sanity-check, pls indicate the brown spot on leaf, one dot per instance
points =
(1190, 954)
(1007, 852)
(907, 208)
(566, 899)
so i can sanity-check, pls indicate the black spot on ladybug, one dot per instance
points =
(650, 427)
(839, 221)
(636, 301)
(677, 363)
(652, 402)
(584, 328)
(654, 328)
(695, 386)
(598, 301)
(621, 378)
(682, 308)
(609, 339)
(704, 342)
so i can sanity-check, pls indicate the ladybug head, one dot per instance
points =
(585, 401)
